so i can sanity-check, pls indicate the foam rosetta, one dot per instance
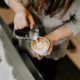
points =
(41, 46)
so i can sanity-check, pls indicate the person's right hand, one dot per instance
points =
(23, 19)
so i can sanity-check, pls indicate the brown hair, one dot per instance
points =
(51, 7)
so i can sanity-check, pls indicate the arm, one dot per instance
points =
(16, 5)
(69, 29)
(58, 34)
(22, 18)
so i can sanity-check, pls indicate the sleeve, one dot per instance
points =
(74, 24)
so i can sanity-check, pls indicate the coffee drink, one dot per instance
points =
(40, 46)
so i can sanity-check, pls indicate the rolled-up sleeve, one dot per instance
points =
(74, 25)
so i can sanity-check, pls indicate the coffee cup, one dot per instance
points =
(40, 45)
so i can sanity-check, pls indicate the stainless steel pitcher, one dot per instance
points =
(25, 36)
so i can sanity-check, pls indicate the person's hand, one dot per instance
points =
(39, 57)
(23, 19)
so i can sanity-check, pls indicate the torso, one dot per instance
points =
(49, 23)
(54, 22)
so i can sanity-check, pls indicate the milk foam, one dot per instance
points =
(41, 46)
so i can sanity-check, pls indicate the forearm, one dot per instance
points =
(16, 5)
(60, 33)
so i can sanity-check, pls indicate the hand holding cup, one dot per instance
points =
(40, 46)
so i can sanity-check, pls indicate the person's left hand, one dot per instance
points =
(39, 57)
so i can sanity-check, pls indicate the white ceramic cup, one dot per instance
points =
(40, 47)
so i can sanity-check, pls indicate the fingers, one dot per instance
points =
(39, 57)
(32, 23)
(36, 55)
(20, 21)
(17, 24)
(23, 20)
(49, 51)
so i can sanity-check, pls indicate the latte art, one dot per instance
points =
(40, 46)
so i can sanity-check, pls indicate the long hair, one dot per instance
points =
(51, 7)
